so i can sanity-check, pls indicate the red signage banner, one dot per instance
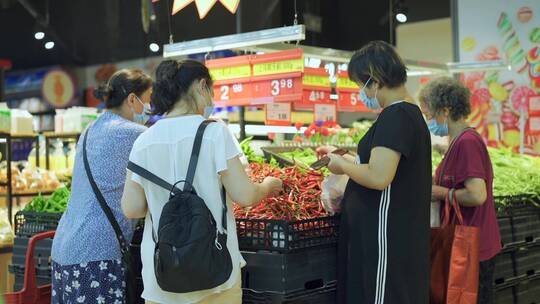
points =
(316, 89)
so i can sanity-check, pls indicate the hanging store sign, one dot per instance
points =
(277, 77)
(316, 89)
(231, 77)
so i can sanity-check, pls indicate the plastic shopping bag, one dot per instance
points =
(6, 234)
(333, 188)
(435, 214)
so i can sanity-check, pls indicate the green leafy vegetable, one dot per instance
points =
(57, 203)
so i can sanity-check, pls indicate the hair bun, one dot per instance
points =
(167, 70)
(103, 92)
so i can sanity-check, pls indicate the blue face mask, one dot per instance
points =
(142, 118)
(208, 110)
(371, 103)
(437, 129)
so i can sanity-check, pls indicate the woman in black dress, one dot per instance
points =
(385, 229)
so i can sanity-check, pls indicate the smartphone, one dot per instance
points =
(324, 161)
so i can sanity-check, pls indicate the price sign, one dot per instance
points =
(534, 104)
(316, 80)
(233, 72)
(280, 89)
(310, 98)
(325, 112)
(343, 82)
(232, 94)
(278, 67)
(351, 102)
(278, 114)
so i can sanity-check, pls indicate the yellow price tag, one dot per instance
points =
(346, 83)
(316, 81)
(233, 72)
(278, 67)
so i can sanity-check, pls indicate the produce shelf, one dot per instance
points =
(28, 193)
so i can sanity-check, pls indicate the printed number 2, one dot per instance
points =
(224, 92)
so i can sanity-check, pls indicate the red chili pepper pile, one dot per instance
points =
(300, 198)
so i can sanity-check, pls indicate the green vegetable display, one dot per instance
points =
(514, 174)
(304, 157)
(249, 153)
(57, 203)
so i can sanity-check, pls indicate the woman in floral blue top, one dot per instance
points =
(86, 254)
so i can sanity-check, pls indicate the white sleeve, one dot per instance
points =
(135, 157)
(226, 147)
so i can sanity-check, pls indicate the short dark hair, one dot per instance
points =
(379, 61)
(173, 80)
(447, 93)
(120, 85)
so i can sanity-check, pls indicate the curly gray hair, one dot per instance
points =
(447, 93)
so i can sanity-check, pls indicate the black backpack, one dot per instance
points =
(190, 253)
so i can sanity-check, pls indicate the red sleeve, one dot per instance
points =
(471, 159)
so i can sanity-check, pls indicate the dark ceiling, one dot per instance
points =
(97, 31)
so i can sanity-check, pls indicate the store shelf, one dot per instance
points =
(61, 135)
(262, 130)
(28, 194)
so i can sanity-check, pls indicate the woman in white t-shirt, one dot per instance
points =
(183, 91)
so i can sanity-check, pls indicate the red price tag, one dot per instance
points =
(232, 94)
(325, 112)
(534, 104)
(278, 114)
(311, 97)
(278, 89)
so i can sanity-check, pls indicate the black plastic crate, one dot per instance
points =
(274, 272)
(526, 227)
(528, 260)
(42, 253)
(505, 228)
(505, 268)
(505, 295)
(42, 277)
(28, 223)
(528, 291)
(322, 295)
(517, 204)
(286, 236)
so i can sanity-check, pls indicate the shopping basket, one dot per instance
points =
(31, 293)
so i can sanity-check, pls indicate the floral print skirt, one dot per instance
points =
(99, 282)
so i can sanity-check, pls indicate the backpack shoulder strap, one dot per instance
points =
(151, 177)
(188, 186)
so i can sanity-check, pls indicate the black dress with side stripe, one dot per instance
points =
(385, 235)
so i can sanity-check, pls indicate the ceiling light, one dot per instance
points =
(49, 45)
(401, 17)
(154, 47)
(39, 35)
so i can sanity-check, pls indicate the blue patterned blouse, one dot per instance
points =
(84, 234)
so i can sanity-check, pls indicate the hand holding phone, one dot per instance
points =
(324, 161)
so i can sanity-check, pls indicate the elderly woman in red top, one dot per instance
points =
(467, 168)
